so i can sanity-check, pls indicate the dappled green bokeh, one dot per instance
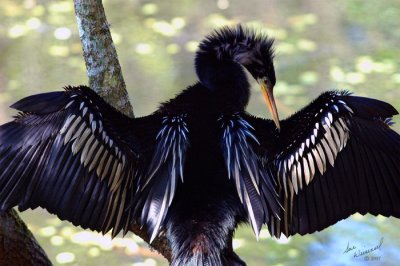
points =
(321, 45)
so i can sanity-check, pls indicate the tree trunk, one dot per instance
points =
(102, 65)
(17, 244)
(105, 77)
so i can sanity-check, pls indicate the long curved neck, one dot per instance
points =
(225, 78)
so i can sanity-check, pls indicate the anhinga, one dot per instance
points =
(200, 165)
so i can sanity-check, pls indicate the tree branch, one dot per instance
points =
(105, 77)
(17, 244)
(102, 65)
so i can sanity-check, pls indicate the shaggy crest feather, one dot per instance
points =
(228, 42)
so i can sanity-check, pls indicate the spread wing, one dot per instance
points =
(76, 156)
(164, 172)
(255, 187)
(336, 157)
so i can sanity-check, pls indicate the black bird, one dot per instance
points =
(200, 165)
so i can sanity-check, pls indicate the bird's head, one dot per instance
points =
(248, 48)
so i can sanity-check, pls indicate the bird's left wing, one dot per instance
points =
(336, 157)
(157, 186)
(73, 154)
(67, 152)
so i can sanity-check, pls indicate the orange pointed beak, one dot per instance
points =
(266, 88)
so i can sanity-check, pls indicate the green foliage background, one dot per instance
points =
(321, 45)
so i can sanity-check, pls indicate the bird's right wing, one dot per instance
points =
(76, 156)
(336, 157)
(254, 184)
